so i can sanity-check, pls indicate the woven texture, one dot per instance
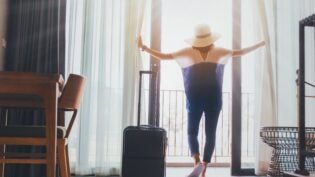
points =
(284, 140)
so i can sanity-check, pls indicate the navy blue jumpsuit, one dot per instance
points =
(203, 88)
(203, 81)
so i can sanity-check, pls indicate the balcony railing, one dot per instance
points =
(173, 118)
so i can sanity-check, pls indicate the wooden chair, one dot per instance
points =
(69, 101)
(34, 135)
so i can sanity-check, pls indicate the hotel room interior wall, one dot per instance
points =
(307, 7)
(3, 14)
(288, 14)
(286, 60)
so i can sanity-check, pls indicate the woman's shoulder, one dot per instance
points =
(221, 49)
(220, 55)
(222, 52)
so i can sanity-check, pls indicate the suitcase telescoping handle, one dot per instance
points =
(153, 73)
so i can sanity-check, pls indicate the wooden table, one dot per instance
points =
(29, 90)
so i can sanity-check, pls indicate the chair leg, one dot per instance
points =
(2, 170)
(62, 158)
(2, 165)
(68, 161)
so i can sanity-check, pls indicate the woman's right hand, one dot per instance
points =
(140, 44)
(262, 43)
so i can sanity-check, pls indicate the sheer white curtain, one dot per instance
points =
(266, 84)
(276, 102)
(101, 44)
(258, 77)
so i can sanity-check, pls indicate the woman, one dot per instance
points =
(202, 68)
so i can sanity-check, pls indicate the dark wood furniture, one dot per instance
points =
(69, 101)
(29, 90)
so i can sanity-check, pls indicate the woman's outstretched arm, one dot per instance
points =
(156, 54)
(241, 52)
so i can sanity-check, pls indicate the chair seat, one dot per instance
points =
(29, 131)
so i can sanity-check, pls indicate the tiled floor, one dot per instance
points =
(211, 172)
(184, 171)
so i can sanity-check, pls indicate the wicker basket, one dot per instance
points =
(285, 141)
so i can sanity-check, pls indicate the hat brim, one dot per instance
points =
(203, 42)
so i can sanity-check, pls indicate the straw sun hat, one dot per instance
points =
(203, 36)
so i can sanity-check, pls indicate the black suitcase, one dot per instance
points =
(144, 147)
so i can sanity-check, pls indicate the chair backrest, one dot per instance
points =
(72, 93)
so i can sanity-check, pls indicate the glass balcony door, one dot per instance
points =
(171, 23)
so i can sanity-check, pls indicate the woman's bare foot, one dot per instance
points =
(204, 169)
(196, 159)
(196, 171)
(198, 166)
(203, 174)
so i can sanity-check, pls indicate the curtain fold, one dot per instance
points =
(101, 44)
(265, 86)
(3, 17)
(33, 34)
(133, 30)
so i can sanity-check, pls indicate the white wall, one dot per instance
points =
(308, 8)
(289, 12)
(287, 17)
(3, 14)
